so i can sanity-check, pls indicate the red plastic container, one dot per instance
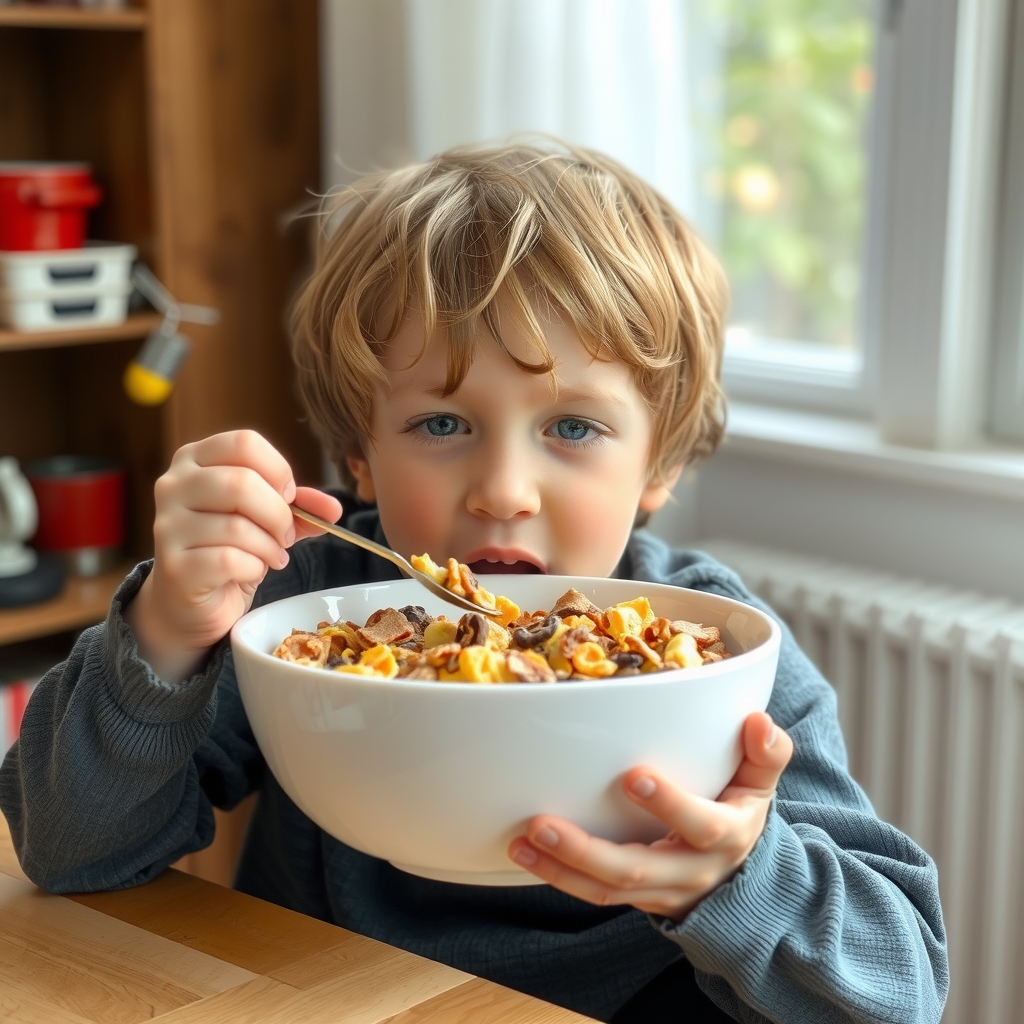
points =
(43, 205)
(81, 503)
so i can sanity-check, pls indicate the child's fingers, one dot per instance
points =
(586, 887)
(249, 449)
(627, 866)
(217, 529)
(207, 569)
(767, 750)
(320, 504)
(239, 490)
(704, 824)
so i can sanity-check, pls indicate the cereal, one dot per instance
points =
(304, 648)
(387, 626)
(439, 633)
(575, 640)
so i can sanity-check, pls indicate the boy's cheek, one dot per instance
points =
(591, 531)
(416, 511)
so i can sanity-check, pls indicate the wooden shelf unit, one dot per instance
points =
(84, 602)
(200, 120)
(138, 325)
(33, 16)
(201, 125)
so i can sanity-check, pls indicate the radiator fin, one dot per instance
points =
(930, 685)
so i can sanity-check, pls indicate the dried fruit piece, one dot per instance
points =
(471, 630)
(439, 632)
(417, 617)
(626, 661)
(682, 652)
(508, 609)
(425, 564)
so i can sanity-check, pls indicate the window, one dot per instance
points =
(929, 241)
(844, 156)
(785, 109)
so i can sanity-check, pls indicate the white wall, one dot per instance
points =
(942, 535)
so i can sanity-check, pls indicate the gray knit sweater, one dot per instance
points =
(834, 917)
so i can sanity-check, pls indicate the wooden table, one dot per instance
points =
(183, 951)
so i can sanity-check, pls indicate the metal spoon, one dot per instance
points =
(393, 556)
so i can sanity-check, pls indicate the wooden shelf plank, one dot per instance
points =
(133, 19)
(138, 325)
(83, 602)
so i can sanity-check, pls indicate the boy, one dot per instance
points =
(511, 353)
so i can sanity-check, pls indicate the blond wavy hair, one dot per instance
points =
(449, 238)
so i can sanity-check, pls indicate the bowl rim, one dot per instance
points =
(648, 679)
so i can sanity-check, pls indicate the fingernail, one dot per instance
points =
(289, 491)
(772, 737)
(546, 836)
(525, 856)
(289, 537)
(283, 557)
(643, 786)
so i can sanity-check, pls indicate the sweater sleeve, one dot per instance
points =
(835, 916)
(116, 772)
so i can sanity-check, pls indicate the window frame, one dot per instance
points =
(930, 237)
(1008, 362)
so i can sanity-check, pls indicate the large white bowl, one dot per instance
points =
(438, 778)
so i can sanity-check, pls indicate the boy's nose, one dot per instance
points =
(503, 489)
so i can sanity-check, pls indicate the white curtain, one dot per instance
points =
(404, 79)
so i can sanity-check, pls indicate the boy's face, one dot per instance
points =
(505, 474)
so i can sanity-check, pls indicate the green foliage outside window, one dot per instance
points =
(790, 161)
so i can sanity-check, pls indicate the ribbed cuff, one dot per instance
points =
(140, 693)
(742, 921)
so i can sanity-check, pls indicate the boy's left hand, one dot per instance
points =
(708, 842)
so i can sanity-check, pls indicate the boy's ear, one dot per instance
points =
(656, 493)
(360, 469)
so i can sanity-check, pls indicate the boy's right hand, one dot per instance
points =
(222, 520)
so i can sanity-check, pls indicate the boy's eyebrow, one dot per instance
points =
(574, 394)
(589, 394)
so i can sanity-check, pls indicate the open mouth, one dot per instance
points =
(491, 567)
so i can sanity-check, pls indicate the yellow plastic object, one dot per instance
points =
(144, 386)
(149, 377)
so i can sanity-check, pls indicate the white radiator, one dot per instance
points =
(930, 683)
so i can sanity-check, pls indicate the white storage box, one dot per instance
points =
(56, 308)
(97, 266)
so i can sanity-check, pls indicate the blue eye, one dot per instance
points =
(441, 426)
(572, 430)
